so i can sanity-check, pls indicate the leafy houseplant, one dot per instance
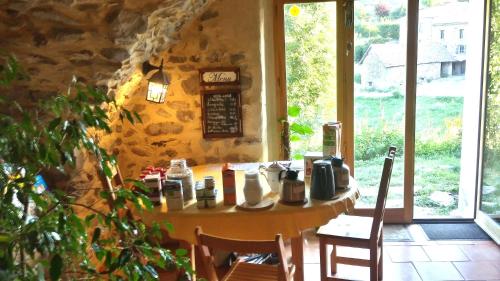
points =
(42, 235)
(298, 131)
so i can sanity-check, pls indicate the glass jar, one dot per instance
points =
(180, 171)
(252, 190)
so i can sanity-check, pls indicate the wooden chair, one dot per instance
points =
(240, 270)
(358, 232)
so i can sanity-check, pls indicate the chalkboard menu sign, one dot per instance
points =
(221, 112)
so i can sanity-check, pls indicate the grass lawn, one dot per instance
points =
(436, 170)
(380, 123)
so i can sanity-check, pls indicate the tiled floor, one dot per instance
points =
(420, 260)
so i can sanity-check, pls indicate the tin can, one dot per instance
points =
(153, 182)
(173, 191)
(332, 132)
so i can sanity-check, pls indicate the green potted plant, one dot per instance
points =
(42, 236)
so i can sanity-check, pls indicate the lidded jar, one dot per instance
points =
(180, 171)
(252, 190)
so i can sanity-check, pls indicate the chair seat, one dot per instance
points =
(346, 226)
(242, 271)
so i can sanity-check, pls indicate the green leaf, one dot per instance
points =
(301, 129)
(53, 124)
(124, 257)
(181, 252)
(169, 226)
(129, 116)
(138, 117)
(99, 252)
(56, 265)
(152, 271)
(293, 111)
(96, 235)
(107, 170)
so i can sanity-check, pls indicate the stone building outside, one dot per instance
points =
(441, 50)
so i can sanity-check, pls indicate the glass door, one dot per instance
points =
(449, 67)
(379, 96)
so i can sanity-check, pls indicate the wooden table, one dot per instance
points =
(228, 221)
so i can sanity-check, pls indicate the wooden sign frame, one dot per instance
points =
(219, 76)
(204, 98)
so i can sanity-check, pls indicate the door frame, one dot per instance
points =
(482, 219)
(345, 93)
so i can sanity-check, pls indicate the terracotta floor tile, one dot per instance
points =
(406, 253)
(352, 272)
(430, 271)
(312, 272)
(445, 253)
(482, 252)
(349, 252)
(400, 271)
(478, 270)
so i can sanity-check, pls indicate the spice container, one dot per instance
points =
(153, 183)
(206, 197)
(173, 192)
(180, 171)
(229, 185)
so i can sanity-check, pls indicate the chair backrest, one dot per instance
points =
(208, 243)
(111, 183)
(385, 181)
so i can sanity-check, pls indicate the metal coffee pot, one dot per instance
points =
(272, 175)
(293, 189)
(322, 180)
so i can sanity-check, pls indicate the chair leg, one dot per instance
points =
(373, 264)
(322, 258)
(333, 260)
(381, 261)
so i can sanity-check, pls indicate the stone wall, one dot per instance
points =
(99, 41)
(227, 34)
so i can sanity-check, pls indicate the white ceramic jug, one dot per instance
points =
(253, 189)
(272, 175)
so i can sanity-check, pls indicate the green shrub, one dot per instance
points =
(450, 147)
(389, 30)
(373, 143)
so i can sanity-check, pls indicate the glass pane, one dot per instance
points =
(310, 54)
(490, 197)
(379, 95)
(448, 92)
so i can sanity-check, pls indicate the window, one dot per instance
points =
(442, 34)
(461, 33)
(460, 49)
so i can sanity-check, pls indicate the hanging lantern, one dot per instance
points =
(157, 83)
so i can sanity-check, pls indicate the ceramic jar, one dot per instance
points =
(252, 190)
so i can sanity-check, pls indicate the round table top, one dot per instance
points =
(230, 221)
